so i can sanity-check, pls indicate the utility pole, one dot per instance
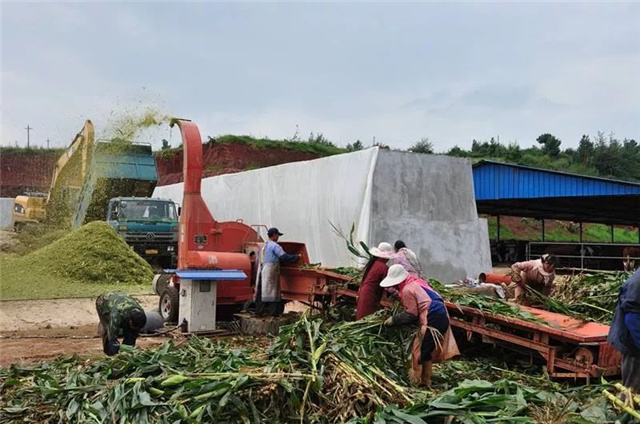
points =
(47, 143)
(28, 131)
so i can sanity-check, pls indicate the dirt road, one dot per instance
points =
(36, 330)
(21, 347)
(22, 315)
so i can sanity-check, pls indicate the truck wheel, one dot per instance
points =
(168, 305)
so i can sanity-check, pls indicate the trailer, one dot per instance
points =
(572, 348)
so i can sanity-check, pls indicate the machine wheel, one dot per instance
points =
(168, 305)
(160, 283)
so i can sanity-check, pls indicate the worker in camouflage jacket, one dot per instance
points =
(120, 315)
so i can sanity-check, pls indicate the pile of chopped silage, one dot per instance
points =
(93, 253)
(312, 372)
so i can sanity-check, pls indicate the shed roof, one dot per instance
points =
(508, 189)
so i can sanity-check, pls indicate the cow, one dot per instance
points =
(630, 258)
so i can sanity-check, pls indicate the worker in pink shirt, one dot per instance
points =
(407, 258)
(537, 274)
(425, 307)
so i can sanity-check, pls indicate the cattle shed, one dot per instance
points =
(515, 190)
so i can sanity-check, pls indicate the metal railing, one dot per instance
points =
(588, 251)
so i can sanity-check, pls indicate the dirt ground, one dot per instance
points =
(20, 315)
(7, 239)
(14, 349)
(37, 330)
(40, 330)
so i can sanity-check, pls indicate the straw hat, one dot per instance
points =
(396, 275)
(384, 250)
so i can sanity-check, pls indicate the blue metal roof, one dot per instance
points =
(515, 190)
(495, 180)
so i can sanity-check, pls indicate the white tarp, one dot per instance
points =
(299, 198)
(425, 200)
(6, 212)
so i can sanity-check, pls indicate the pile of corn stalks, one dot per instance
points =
(311, 372)
(590, 295)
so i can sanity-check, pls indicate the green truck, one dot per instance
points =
(149, 226)
(118, 177)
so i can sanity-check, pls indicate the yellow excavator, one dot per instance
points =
(32, 207)
(85, 178)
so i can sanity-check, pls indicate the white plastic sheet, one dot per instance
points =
(6, 212)
(300, 199)
(425, 200)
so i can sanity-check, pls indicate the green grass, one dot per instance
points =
(602, 233)
(20, 282)
(505, 232)
(555, 232)
(34, 237)
(325, 148)
(31, 151)
(319, 148)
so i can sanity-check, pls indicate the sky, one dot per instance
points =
(449, 72)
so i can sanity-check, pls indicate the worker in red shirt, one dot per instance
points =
(375, 271)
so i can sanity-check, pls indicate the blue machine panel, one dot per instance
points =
(209, 274)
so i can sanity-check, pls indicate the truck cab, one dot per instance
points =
(149, 226)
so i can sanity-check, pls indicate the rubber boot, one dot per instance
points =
(425, 379)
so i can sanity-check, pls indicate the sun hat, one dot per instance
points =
(396, 275)
(384, 250)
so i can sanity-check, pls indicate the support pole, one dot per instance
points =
(542, 229)
(498, 229)
(580, 232)
(612, 238)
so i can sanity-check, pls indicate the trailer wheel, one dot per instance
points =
(168, 305)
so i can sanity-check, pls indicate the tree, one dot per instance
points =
(165, 144)
(550, 143)
(585, 151)
(422, 146)
(320, 139)
(457, 151)
(513, 154)
(355, 146)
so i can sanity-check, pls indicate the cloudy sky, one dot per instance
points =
(396, 72)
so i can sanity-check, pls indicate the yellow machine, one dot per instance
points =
(86, 176)
(28, 209)
(68, 176)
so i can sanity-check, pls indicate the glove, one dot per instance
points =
(388, 322)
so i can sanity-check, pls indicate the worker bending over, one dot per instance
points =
(407, 258)
(268, 299)
(434, 341)
(538, 274)
(370, 292)
(624, 334)
(120, 315)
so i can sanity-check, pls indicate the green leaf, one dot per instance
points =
(412, 419)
